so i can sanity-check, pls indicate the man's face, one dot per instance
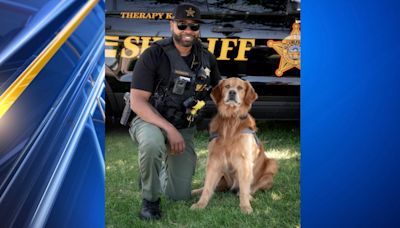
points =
(185, 32)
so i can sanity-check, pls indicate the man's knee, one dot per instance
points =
(150, 139)
(152, 147)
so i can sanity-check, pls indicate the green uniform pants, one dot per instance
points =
(160, 171)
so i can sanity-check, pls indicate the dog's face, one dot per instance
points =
(233, 96)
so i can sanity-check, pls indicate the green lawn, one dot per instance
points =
(277, 207)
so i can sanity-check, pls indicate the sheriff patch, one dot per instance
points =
(288, 49)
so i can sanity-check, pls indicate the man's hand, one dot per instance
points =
(176, 142)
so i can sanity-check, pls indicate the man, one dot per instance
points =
(169, 84)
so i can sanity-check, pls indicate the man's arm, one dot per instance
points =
(141, 106)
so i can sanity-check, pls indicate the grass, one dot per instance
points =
(277, 207)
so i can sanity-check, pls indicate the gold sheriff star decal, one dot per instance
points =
(190, 12)
(288, 49)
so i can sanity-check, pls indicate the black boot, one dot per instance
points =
(150, 210)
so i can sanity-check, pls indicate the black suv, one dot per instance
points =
(258, 41)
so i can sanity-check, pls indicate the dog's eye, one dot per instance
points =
(227, 86)
(239, 87)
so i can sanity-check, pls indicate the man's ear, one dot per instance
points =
(216, 93)
(250, 95)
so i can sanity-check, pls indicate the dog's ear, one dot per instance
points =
(250, 95)
(216, 93)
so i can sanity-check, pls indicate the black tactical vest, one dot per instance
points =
(185, 87)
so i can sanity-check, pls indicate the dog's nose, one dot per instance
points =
(232, 92)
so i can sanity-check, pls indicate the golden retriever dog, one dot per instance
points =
(236, 159)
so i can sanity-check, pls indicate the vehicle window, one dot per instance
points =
(205, 6)
(245, 6)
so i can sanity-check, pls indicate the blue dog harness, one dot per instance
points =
(214, 135)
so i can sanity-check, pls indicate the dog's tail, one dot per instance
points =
(197, 191)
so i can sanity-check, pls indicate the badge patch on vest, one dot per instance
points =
(208, 71)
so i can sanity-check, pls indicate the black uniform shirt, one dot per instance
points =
(153, 66)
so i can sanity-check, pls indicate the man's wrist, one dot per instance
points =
(169, 127)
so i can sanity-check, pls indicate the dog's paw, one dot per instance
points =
(197, 206)
(246, 209)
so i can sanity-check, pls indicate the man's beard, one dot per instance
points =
(180, 41)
